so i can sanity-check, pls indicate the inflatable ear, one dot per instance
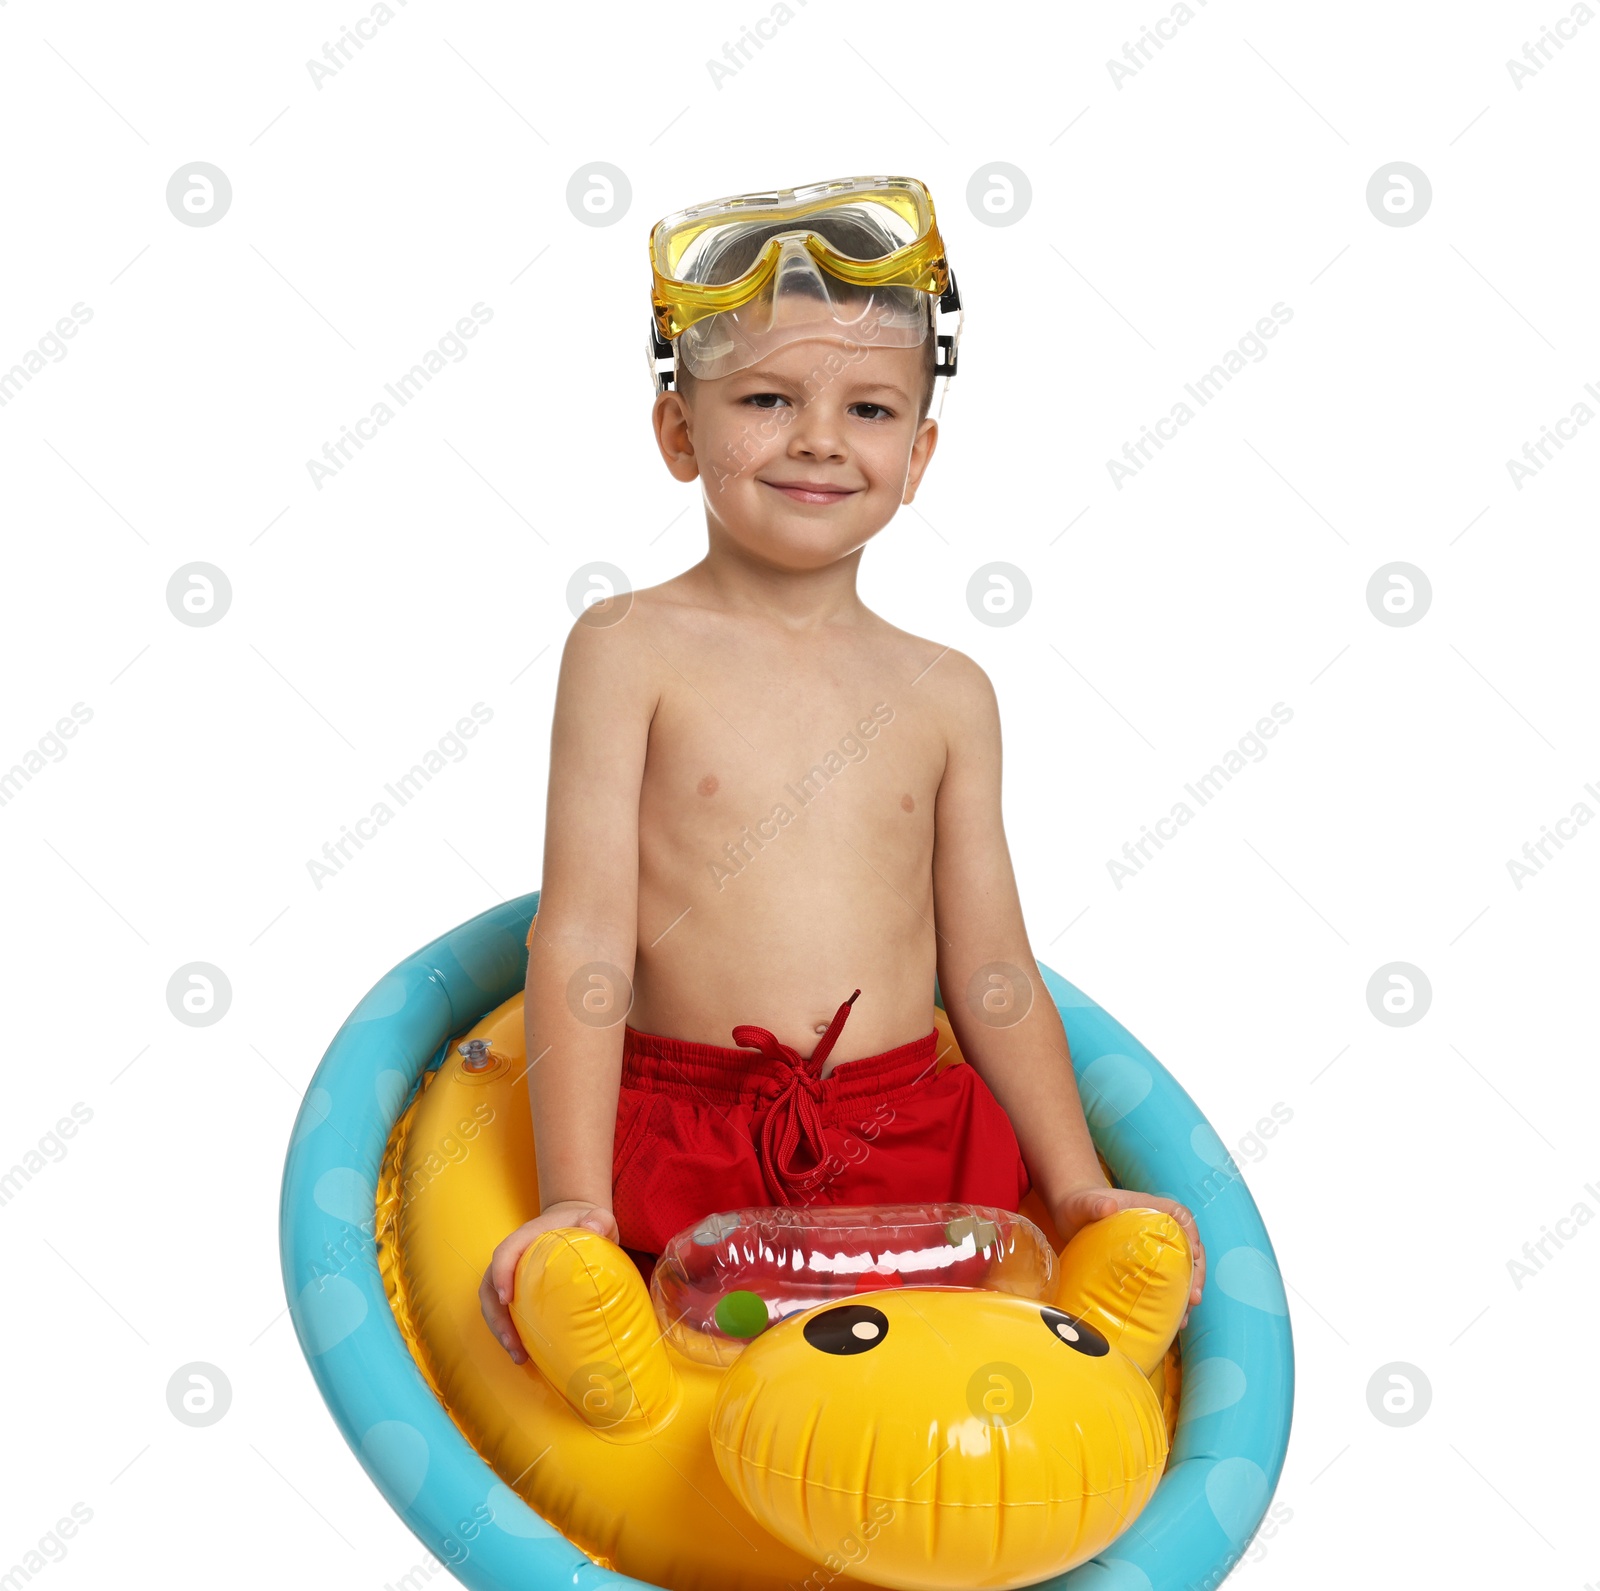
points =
(1129, 1274)
(584, 1315)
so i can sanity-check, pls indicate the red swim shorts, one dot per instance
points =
(702, 1128)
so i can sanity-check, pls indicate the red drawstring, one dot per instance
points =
(794, 1115)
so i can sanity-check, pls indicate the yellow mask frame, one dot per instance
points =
(897, 205)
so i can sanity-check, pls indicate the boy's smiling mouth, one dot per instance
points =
(812, 491)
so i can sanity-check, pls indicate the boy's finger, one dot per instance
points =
(494, 1311)
(498, 1319)
(1185, 1218)
(503, 1271)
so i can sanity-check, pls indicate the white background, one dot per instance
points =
(1167, 216)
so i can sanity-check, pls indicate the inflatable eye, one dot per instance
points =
(1075, 1333)
(850, 1328)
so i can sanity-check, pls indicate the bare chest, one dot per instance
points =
(834, 754)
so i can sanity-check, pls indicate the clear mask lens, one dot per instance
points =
(803, 301)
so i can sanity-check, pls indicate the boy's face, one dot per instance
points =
(815, 410)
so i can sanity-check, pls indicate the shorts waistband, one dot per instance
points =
(792, 1101)
(722, 1074)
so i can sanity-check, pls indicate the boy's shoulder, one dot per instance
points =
(624, 638)
(939, 668)
(626, 617)
(626, 631)
(955, 684)
(608, 658)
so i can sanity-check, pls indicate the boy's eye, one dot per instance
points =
(771, 400)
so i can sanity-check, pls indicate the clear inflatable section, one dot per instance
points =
(720, 1284)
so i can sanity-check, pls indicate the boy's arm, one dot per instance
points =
(581, 960)
(1024, 1059)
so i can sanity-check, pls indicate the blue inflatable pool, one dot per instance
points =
(1238, 1363)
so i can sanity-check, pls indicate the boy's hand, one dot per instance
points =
(494, 1292)
(1096, 1201)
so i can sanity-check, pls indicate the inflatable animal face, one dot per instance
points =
(915, 1437)
(1006, 1431)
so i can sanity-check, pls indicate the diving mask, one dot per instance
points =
(859, 259)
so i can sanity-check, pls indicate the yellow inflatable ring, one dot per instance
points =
(361, 1124)
(646, 1488)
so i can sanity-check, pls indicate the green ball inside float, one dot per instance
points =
(742, 1314)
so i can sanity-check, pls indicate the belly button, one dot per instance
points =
(821, 1027)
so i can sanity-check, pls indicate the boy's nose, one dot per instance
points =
(817, 434)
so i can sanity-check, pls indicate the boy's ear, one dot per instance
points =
(675, 434)
(922, 446)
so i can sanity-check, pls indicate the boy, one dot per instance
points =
(763, 796)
